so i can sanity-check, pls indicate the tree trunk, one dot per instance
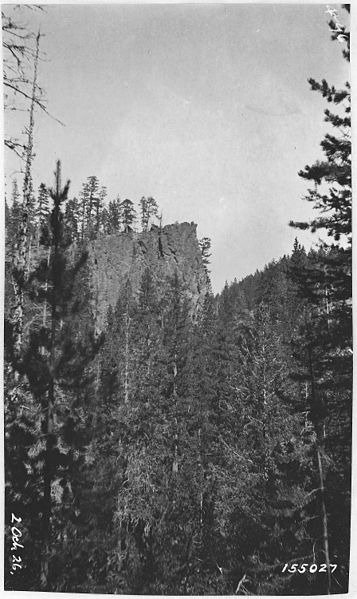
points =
(318, 425)
(20, 248)
(47, 489)
(324, 519)
(126, 368)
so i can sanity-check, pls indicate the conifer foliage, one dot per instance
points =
(324, 347)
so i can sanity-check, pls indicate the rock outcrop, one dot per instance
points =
(115, 258)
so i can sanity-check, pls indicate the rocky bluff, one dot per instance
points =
(114, 259)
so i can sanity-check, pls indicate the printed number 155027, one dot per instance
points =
(312, 568)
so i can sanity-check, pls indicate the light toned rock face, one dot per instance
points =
(114, 258)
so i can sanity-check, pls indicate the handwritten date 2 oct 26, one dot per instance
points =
(16, 535)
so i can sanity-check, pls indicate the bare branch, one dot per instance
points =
(36, 100)
(13, 145)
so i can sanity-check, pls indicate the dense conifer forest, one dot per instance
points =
(171, 452)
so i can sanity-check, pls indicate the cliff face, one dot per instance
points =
(115, 258)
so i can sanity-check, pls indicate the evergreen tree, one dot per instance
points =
(72, 218)
(148, 209)
(104, 221)
(84, 200)
(114, 220)
(54, 364)
(93, 205)
(128, 215)
(205, 247)
(264, 442)
(42, 210)
(324, 347)
(58, 196)
(99, 204)
(13, 221)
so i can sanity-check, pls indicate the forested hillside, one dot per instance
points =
(160, 439)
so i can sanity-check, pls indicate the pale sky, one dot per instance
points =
(205, 107)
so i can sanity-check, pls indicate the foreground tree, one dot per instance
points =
(58, 196)
(325, 345)
(55, 387)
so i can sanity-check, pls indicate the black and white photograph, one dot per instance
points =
(177, 256)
